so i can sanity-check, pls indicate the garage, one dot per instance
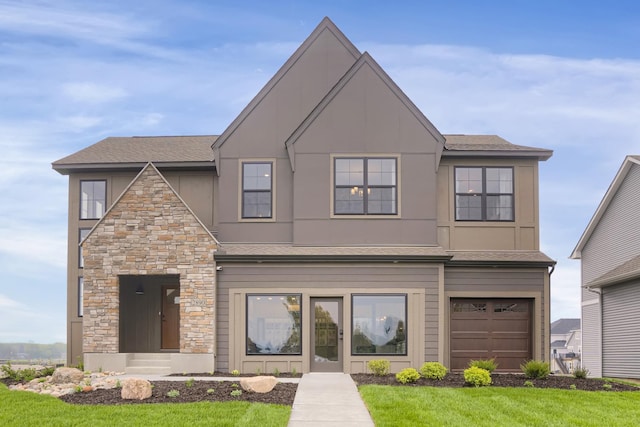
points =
(490, 328)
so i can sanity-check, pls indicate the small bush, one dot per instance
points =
(486, 364)
(379, 367)
(433, 370)
(607, 386)
(572, 387)
(408, 375)
(211, 391)
(581, 373)
(235, 373)
(236, 393)
(190, 382)
(536, 369)
(528, 384)
(477, 377)
(173, 393)
(276, 372)
(294, 372)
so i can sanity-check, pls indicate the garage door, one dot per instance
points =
(490, 328)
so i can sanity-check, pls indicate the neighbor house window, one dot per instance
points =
(365, 186)
(379, 324)
(93, 199)
(273, 324)
(80, 296)
(257, 185)
(484, 194)
(81, 235)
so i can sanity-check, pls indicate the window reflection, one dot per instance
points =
(273, 324)
(379, 324)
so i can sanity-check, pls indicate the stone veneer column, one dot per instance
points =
(149, 231)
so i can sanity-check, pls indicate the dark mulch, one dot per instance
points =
(228, 375)
(501, 380)
(282, 394)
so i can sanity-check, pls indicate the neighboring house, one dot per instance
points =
(330, 224)
(565, 345)
(609, 250)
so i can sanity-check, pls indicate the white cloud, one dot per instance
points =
(92, 92)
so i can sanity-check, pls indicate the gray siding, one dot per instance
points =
(592, 339)
(621, 331)
(306, 278)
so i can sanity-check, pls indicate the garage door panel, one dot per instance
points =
(490, 328)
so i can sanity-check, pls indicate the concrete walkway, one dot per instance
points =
(328, 399)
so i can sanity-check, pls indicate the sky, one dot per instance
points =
(561, 75)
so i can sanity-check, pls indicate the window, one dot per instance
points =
(80, 296)
(379, 324)
(93, 197)
(82, 234)
(484, 194)
(273, 324)
(365, 186)
(256, 190)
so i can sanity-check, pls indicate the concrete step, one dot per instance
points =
(149, 364)
(147, 370)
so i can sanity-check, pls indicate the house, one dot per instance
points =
(329, 224)
(566, 345)
(609, 254)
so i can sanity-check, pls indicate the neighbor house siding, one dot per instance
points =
(592, 338)
(325, 280)
(621, 330)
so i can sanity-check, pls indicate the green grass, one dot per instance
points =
(495, 406)
(20, 408)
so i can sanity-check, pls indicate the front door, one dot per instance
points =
(326, 335)
(170, 317)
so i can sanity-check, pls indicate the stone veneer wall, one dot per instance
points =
(149, 231)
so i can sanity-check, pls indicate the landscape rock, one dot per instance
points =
(259, 384)
(67, 375)
(136, 388)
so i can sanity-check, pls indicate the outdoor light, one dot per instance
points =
(140, 289)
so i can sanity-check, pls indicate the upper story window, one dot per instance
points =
(484, 194)
(257, 186)
(93, 199)
(83, 232)
(365, 186)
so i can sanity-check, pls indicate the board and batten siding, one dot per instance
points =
(313, 280)
(621, 331)
(504, 283)
(615, 240)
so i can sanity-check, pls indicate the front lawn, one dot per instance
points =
(497, 406)
(20, 408)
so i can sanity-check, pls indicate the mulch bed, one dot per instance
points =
(284, 393)
(500, 380)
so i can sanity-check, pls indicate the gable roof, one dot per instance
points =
(137, 151)
(626, 166)
(364, 60)
(149, 167)
(564, 326)
(488, 146)
(325, 25)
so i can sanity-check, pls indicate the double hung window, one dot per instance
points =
(365, 186)
(93, 199)
(257, 186)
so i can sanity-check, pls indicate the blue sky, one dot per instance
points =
(555, 74)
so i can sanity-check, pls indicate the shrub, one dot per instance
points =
(190, 382)
(581, 373)
(607, 386)
(572, 387)
(276, 372)
(211, 391)
(536, 369)
(477, 377)
(528, 384)
(433, 370)
(486, 364)
(236, 393)
(408, 375)
(235, 373)
(379, 367)
(173, 393)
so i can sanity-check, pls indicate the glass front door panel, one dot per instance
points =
(327, 331)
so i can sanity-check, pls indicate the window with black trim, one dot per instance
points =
(379, 324)
(365, 186)
(257, 185)
(93, 199)
(273, 324)
(83, 232)
(80, 296)
(484, 194)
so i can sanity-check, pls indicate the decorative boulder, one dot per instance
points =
(135, 388)
(260, 384)
(66, 376)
